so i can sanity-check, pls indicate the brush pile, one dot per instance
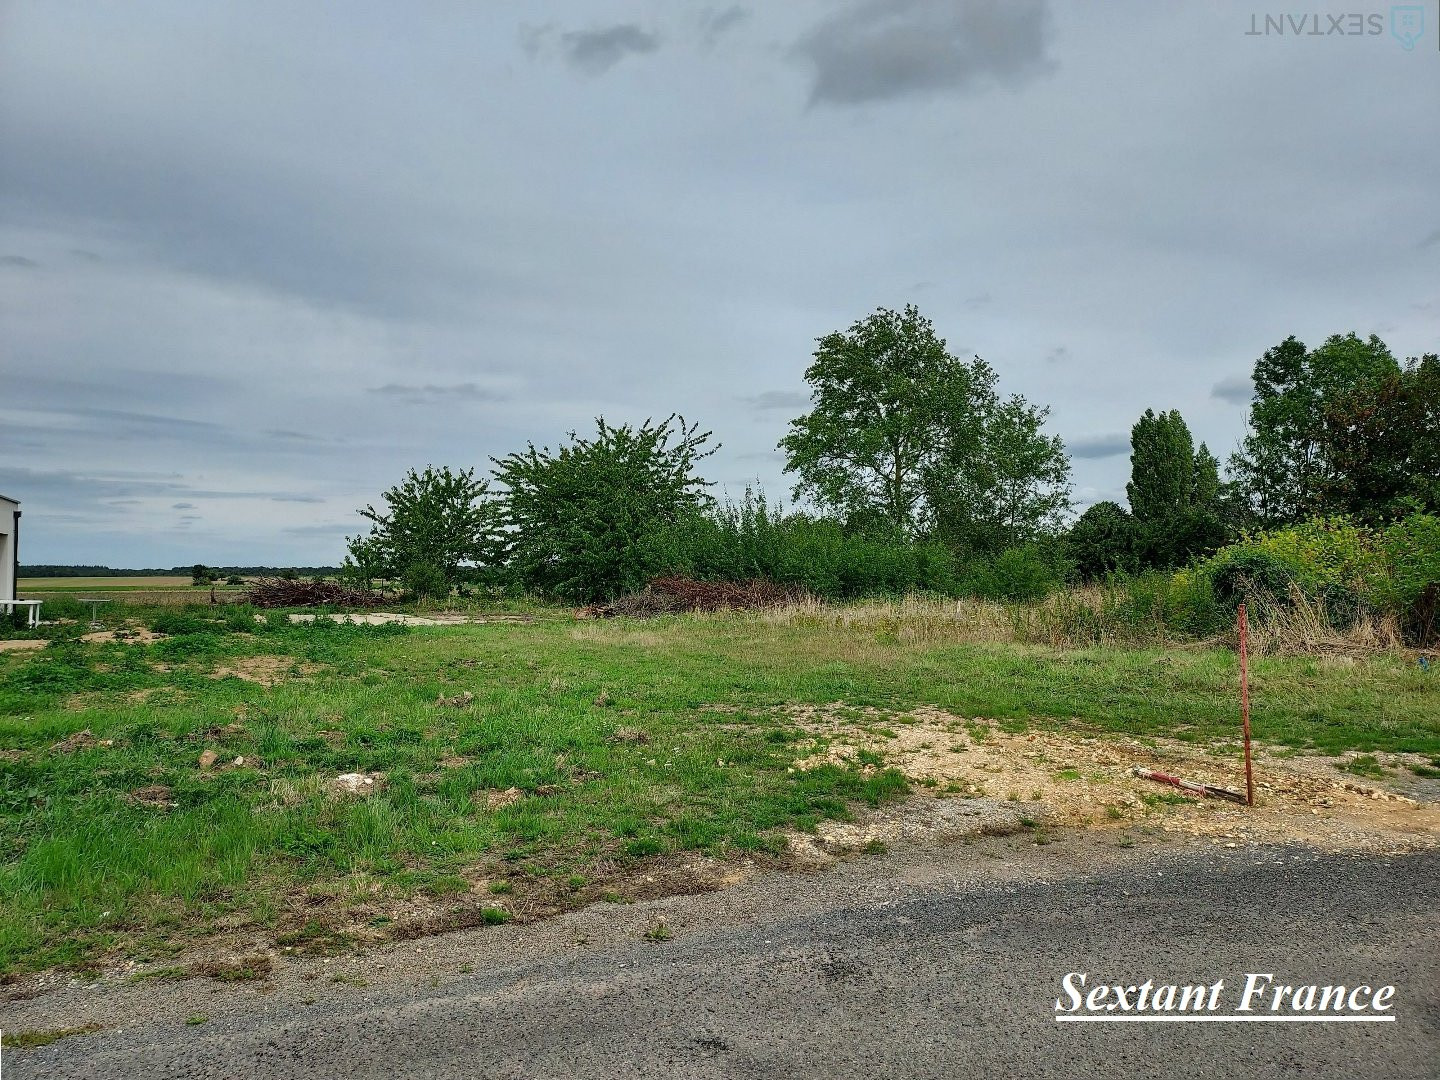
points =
(676, 595)
(277, 592)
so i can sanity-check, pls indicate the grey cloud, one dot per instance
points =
(597, 51)
(777, 399)
(1057, 355)
(182, 506)
(296, 498)
(19, 261)
(975, 303)
(1098, 446)
(92, 486)
(1429, 241)
(879, 50)
(714, 24)
(431, 394)
(1237, 390)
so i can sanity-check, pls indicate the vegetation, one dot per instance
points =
(583, 520)
(906, 437)
(1344, 429)
(433, 523)
(624, 742)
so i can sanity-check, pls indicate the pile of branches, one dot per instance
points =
(675, 595)
(277, 592)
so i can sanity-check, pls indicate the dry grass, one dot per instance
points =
(1303, 630)
(917, 619)
(1085, 617)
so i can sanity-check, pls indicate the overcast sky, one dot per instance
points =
(256, 260)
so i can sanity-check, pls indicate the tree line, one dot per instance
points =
(914, 471)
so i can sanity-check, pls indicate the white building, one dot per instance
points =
(9, 547)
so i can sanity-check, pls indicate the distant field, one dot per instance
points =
(73, 584)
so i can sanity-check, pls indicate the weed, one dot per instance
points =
(22, 1040)
(658, 930)
(196, 1019)
(875, 846)
(1365, 765)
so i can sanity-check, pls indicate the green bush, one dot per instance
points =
(1030, 572)
(1348, 569)
(747, 539)
(1241, 574)
(425, 581)
(1412, 557)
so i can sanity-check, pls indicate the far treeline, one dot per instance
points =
(924, 477)
(217, 573)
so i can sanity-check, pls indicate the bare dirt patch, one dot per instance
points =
(80, 740)
(23, 644)
(265, 670)
(138, 635)
(1080, 779)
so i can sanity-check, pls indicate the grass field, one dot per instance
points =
(626, 744)
(140, 589)
(104, 584)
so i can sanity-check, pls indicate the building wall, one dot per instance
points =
(7, 549)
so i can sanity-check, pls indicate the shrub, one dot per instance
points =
(1029, 572)
(746, 540)
(425, 581)
(586, 519)
(1237, 575)
(1103, 539)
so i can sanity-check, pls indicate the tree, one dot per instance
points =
(1006, 487)
(433, 523)
(1162, 467)
(904, 436)
(1103, 539)
(1174, 491)
(889, 404)
(364, 560)
(584, 519)
(1282, 468)
(200, 574)
(1379, 444)
(1207, 486)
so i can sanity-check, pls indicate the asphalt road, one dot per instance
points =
(953, 981)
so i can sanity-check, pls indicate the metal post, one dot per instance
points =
(1245, 704)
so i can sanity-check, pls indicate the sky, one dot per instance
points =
(257, 260)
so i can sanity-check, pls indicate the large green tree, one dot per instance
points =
(888, 405)
(903, 435)
(583, 520)
(1162, 467)
(1005, 487)
(1175, 491)
(433, 523)
(1282, 468)
(1379, 445)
